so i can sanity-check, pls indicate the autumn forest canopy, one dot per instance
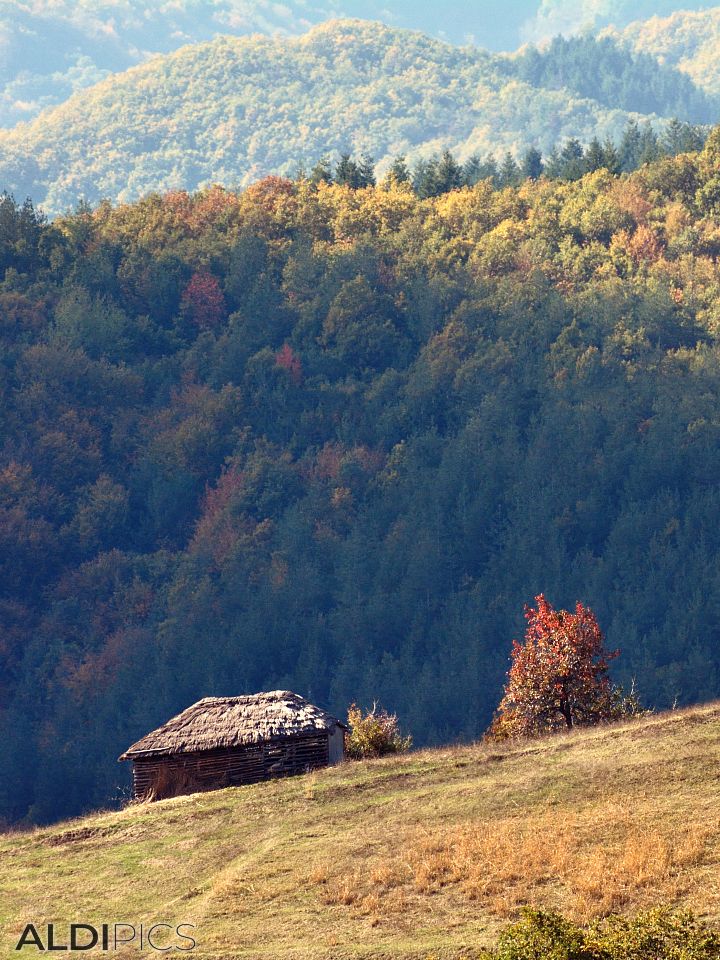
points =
(333, 438)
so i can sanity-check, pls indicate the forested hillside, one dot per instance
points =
(332, 440)
(50, 50)
(687, 40)
(599, 69)
(235, 109)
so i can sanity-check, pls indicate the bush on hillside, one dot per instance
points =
(654, 935)
(626, 704)
(374, 734)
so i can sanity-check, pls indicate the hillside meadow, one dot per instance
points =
(428, 854)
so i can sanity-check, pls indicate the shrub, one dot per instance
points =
(541, 935)
(375, 734)
(626, 705)
(654, 935)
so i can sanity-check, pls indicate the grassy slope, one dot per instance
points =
(423, 855)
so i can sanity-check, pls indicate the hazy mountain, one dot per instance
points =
(234, 109)
(688, 41)
(568, 17)
(48, 51)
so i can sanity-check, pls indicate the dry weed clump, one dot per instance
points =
(375, 894)
(587, 865)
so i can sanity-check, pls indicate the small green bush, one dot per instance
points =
(541, 935)
(655, 935)
(376, 734)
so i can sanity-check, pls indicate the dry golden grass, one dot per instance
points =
(588, 866)
(624, 841)
(421, 855)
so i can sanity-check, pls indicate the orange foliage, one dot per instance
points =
(270, 206)
(630, 196)
(217, 530)
(558, 675)
(644, 245)
(203, 301)
(289, 361)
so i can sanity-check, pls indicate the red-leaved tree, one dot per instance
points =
(288, 360)
(559, 676)
(203, 301)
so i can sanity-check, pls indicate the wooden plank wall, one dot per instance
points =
(172, 776)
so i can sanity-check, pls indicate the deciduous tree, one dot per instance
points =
(559, 675)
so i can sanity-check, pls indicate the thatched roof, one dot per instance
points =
(233, 722)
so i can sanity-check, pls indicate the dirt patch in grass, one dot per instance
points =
(77, 836)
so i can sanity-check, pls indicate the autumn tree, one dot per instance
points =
(289, 361)
(559, 675)
(203, 301)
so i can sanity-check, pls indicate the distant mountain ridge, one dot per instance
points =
(48, 51)
(235, 109)
(687, 40)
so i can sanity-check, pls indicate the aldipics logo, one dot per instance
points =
(163, 937)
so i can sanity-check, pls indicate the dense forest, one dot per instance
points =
(599, 69)
(333, 438)
(235, 109)
(688, 40)
(438, 174)
(52, 50)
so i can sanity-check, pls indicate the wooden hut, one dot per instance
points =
(227, 741)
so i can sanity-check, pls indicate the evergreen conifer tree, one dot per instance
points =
(611, 160)
(572, 160)
(532, 164)
(425, 179)
(399, 171)
(509, 174)
(366, 171)
(594, 156)
(471, 170)
(321, 171)
(346, 171)
(449, 173)
(630, 147)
